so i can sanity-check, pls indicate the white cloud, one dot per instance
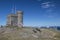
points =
(47, 5)
(51, 15)
(49, 12)
(46, 2)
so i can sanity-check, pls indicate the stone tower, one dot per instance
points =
(20, 18)
(15, 19)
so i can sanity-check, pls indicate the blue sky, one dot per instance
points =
(36, 12)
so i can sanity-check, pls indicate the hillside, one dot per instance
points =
(28, 34)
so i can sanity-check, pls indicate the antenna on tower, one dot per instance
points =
(13, 8)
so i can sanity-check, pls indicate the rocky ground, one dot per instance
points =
(28, 34)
